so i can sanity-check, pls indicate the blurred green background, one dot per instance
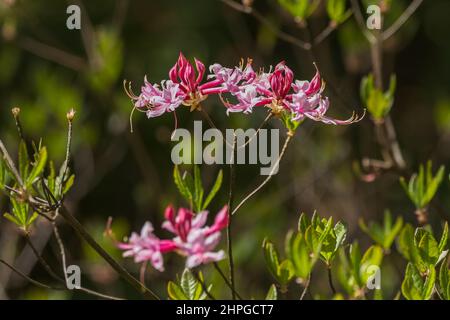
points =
(46, 69)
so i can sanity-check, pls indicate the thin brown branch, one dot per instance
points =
(360, 20)
(31, 280)
(305, 288)
(230, 219)
(227, 282)
(258, 16)
(47, 52)
(76, 225)
(389, 32)
(260, 186)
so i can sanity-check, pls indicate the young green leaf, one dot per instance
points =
(188, 284)
(271, 257)
(38, 166)
(300, 9)
(444, 280)
(198, 189)
(416, 286)
(444, 239)
(423, 186)
(181, 185)
(214, 190)
(272, 293)
(384, 234)
(24, 160)
(175, 292)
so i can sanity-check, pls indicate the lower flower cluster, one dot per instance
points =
(192, 239)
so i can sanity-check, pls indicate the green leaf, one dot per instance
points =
(444, 239)
(423, 186)
(355, 261)
(303, 223)
(189, 284)
(198, 189)
(418, 287)
(428, 248)
(24, 160)
(312, 239)
(384, 234)
(214, 190)
(372, 257)
(406, 245)
(3, 175)
(272, 293)
(175, 292)
(12, 218)
(340, 230)
(38, 166)
(271, 257)
(444, 280)
(301, 257)
(285, 272)
(182, 188)
(69, 184)
(300, 9)
(336, 10)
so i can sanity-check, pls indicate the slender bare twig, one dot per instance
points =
(305, 288)
(31, 280)
(251, 194)
(258, 16)
(230, 219)
(330, 280)
(268, 117)
(41, 259)
(70, 116)
(360, 20)
(204, 287)
(47, 52)
(389, 32)
(76, 225)
(224, 277)
(328, 30)
(64, 265)
(10, 164)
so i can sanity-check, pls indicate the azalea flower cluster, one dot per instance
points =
(277, 90)
(192, 239)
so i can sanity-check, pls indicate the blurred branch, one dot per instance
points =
(20, 273)
(120, 14)
(258, 16)
(386, 135)
(328, 30)
(216, 266)
(360, 20)
(230, 219)
(47, 52)
(76, 225)
(251, 194)
(88, 36)
(389, 32)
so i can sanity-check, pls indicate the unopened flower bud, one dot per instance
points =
(70, 115)
(15, 111)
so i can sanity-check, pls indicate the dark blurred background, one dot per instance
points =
(46, 69)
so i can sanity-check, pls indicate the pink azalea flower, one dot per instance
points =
(278, 91)
(184, 87)
(146, 247)
(193, 239)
